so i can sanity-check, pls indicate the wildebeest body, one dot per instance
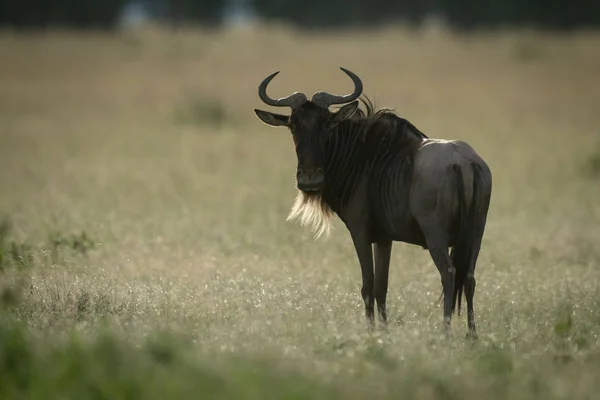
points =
(387, 181)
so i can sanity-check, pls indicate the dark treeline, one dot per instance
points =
(463, 14)
(71, 13)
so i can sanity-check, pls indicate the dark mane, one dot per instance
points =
(371, 113)
(370, 110)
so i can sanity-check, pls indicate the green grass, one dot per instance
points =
(145, 251)
(106, 367)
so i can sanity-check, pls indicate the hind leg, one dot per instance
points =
(469, 294)
(431, 209)
(438, 249)
(470, 291)
(479, 228)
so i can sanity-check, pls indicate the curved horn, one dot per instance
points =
(294, 100)
(325, 99)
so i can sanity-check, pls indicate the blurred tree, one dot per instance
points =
(463, 14)
(101, 13)
(562, 14)
(310, 13)
(204, 12)
(553, 14)
(72, 13)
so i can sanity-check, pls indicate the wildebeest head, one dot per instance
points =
(310, 122)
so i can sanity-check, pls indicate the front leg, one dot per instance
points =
(364, 251)
(383, 251)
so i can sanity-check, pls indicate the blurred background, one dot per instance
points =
(462, 14)
(140, 193)
(132, 120)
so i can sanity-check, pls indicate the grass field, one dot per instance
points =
(147, 210)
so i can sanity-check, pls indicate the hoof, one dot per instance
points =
(472, 335)
(447, 332)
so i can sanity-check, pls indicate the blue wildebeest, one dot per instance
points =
(387, 181)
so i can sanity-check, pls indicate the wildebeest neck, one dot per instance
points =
(371, 143)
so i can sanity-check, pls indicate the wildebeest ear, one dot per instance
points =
(345, 112)
(272, 119)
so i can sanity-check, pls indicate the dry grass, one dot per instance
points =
(148, 143)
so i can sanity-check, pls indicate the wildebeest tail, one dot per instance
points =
(462, 251)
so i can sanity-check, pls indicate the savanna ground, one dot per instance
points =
(145, 251)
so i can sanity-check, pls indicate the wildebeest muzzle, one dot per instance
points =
(310, 179)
